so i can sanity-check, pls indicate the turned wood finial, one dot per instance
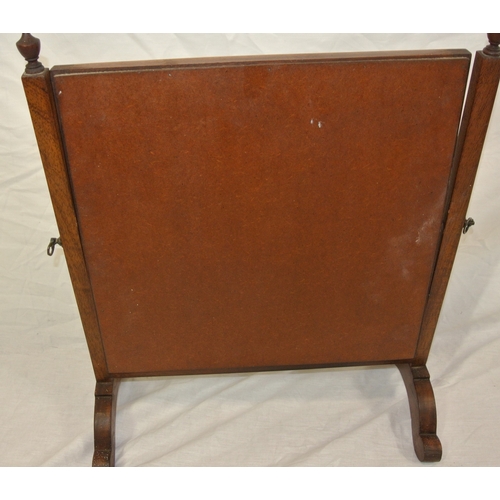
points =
(493, 48)
(29, 47)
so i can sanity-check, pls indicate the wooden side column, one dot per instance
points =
(39, 94)
(38, 89)
(474, 125)
(479, 105)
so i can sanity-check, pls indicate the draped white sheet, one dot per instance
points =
(349, 416)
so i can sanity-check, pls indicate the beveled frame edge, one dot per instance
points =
(258, 369)
(255, 60)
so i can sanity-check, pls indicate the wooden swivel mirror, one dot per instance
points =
(262, 212)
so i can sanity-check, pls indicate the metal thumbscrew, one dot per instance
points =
(53, 242)
(468, 223)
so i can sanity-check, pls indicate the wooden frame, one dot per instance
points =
(48, 113)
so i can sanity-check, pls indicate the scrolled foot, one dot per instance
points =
(423, 412)
(104, 423)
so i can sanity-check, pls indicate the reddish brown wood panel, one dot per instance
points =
(261, 215)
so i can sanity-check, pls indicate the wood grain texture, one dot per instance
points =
(265, 214)
(423, 412)
(262, 213)
(43, 114)
(480, 99)
(104, 423)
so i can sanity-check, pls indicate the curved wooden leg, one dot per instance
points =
(104, 423)
(423, 412)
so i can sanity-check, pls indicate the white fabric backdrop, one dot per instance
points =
(349, 416)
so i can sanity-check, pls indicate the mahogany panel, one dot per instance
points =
(265, 214)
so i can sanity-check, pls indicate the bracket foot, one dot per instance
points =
(104, 423)
(423, 412)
